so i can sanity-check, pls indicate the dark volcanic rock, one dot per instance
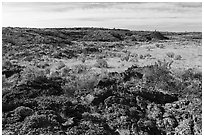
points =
(157, 96)
(9, 69)
(23, 111)
(158, 36)
(132, 72)
(148, 127)
(32, 89)
(100, 95)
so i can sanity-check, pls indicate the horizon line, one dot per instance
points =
(97, 28)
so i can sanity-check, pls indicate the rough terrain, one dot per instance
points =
(96, 81)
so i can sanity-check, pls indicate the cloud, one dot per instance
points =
(130, 15)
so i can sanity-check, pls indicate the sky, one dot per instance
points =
(172, 16)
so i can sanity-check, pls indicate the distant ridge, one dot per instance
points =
(16, 35)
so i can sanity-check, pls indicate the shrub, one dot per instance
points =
(190, 74)
(133, 59)
(134, 55)
(161, 46)
(192, 88)
(6, 64)
(80, 68)
(101, 63)
(8, 83)
(60, 65)
(75, 84)
(166, 65)
(42, 65)
(126, 57)
(69, 89)
(191, 83)
(28, 58)
(47, 71)
(124, 51)
(102, 56)
(148, 48)
(9, 69)
(54, 74)
(87, 81)
(178, 57)
(170, 54)
(128, 53)
(141, 56)
(119, 55)
(159, 75)
(38, 121)
(31, 73)
(83, 59)
(147, 55)
(65, 71)
(122, 58)
(4, 81)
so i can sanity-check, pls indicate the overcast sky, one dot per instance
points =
(134, 16)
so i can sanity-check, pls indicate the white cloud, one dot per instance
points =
(163, 16)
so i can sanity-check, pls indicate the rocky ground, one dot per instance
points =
(91, 81)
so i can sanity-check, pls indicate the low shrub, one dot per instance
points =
(38, 121)
(148, 48)
(161, 46)
(159, 75)
(141, 57)
(80, 68)
(126, 58)
(81, 84)
(31, 73)
(6, 64)
(133, 59)
(134, 55)
(190, 74)
(43, 65)
(87, 81)
(60, 65)
(101, 63)
(103, 56)
(9, 69)
(166, 65)
(65, 71)
(47, 71)
(178, 57)
(124, 51)
(170, 54)
(69, 89)
(54, 74)
(147, 55)
(83, 59)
